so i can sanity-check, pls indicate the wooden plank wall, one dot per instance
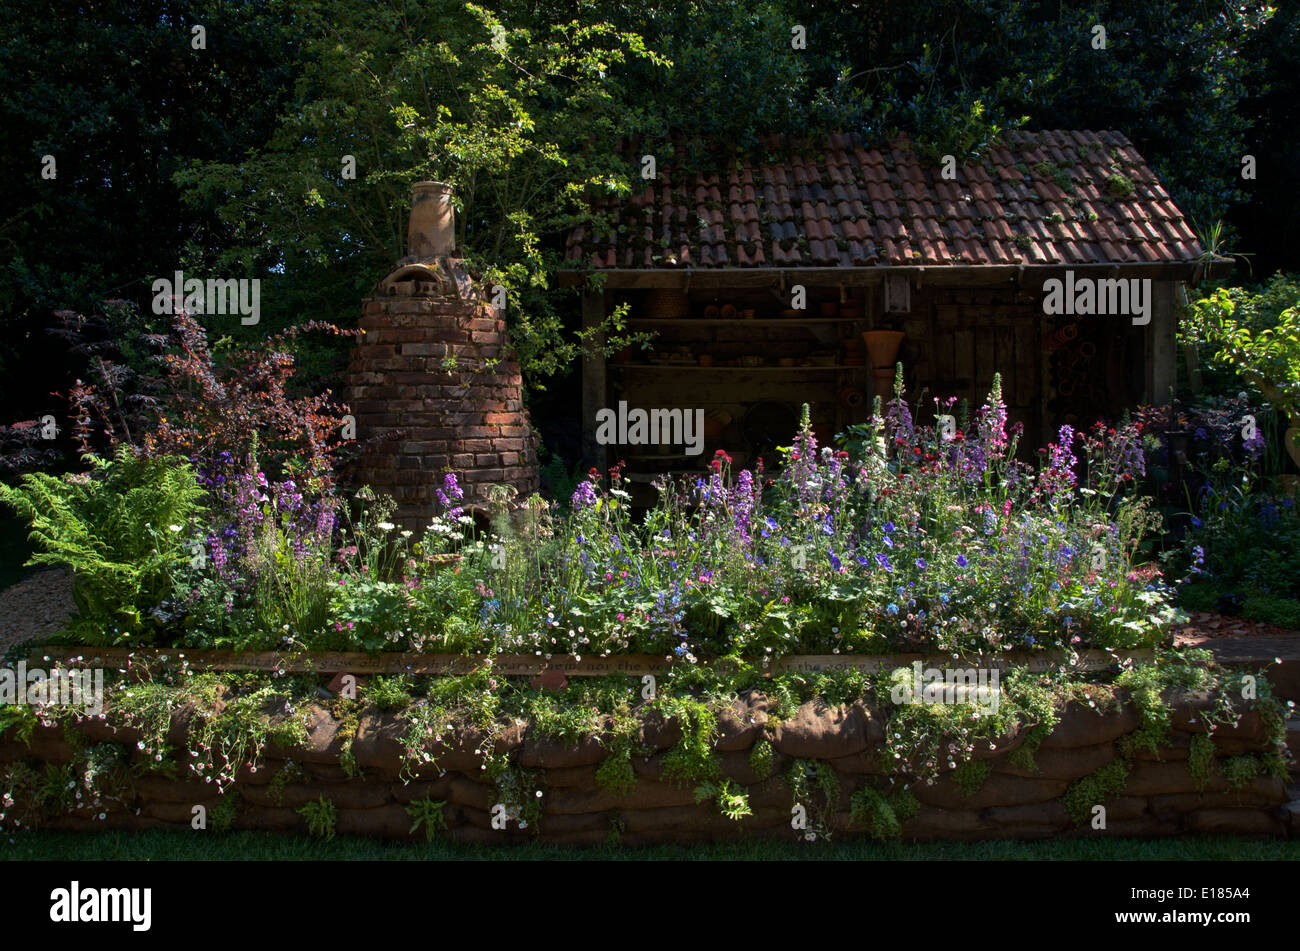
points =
(957, 339)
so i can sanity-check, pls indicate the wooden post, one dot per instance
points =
(1191, 356)
(1161, 342)
(594, 394)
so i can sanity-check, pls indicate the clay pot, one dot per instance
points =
(431, 230)
(883, 346)
(884, 383)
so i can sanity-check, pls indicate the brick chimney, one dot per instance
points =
(433, 384)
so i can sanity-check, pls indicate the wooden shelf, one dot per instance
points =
(692, 366)
(729, 321)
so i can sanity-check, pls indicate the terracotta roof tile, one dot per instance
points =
(854, 206)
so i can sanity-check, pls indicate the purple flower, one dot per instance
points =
(961, 561)
(584, 495)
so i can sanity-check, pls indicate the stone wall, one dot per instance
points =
(1159, 798)
(434, 388)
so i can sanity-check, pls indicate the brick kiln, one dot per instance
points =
(432, 384)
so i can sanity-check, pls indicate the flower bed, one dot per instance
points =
(906, 539)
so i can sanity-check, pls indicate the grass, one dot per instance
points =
(183, 845)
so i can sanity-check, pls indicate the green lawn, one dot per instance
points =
(179, 845)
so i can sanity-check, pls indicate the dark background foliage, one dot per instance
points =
(225, 161)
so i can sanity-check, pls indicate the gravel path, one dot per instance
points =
(39, 604)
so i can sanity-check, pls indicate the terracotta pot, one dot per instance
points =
(884, 383)
(883, 346)
(431, 229)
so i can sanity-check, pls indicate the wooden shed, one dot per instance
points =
(1056, 259)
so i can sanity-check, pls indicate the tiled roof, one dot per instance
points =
(1041, 198)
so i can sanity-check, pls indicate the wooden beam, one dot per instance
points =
(952, 275)
(1161, 340)
(594, 394)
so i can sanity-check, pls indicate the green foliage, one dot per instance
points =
(321, 816)
(1094, 789)
(762, 759)
(57, 790)
(21, 718)
(224, 813)
(427, 812)
(692, 759)
(520, 791)
(1257, 334)
(503, 102)
(389, 693)
(814, 785)
(1240, 770)
(732, 803)
(970, 776)
(882, 816)
(616, 774)
(1200, 758)
(124, 530)
(234, 718)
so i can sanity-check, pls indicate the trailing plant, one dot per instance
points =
(970, 776)
(1200, 758)
(1240, 770)
(762, 759)
(225, 812)
(1093, 789)
(814, 786)
(520, 791)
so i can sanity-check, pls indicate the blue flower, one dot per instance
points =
(961, 561)
(892, 609)
(889, 526)
(883, 560)
(920, 563)
(889, 542)
(1196, 522)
